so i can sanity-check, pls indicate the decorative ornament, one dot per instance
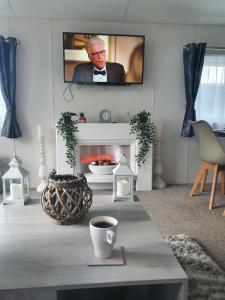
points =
(66, 198)
(105, 116)
(16, 184)
(158, 182)
(123, 179)
(42, 173)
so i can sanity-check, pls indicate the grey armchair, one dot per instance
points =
(212, 159)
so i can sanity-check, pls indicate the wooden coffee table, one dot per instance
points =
(46, 261)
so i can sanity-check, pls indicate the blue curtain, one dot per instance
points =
(8, 46)
(193, 58)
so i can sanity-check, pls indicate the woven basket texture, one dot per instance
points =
(66, 198)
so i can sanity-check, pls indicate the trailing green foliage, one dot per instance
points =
(67, 128)
(144, 130)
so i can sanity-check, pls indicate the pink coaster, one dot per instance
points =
(117, 258)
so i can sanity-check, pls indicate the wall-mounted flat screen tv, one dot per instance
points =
(105, 59)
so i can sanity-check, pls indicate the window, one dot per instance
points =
(2, 111)
(210, 102)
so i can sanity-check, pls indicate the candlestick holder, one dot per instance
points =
(158, 182)
(42, 173)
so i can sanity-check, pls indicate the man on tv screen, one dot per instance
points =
(98, 70)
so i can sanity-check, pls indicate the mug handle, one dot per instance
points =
(110, 237)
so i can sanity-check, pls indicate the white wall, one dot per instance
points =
(40, 87)
(34, 98)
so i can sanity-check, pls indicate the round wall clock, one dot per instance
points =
(105, 116)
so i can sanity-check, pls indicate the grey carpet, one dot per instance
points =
(175, 213)
(206, 281)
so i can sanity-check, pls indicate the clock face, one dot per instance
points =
(105, 116)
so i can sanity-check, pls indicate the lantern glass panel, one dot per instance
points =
(26, 188)
(123, 185)
(13, 189)
(16, 189)
(6, 188)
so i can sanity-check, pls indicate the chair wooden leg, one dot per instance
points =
(198, 180)
(222, 183)
(203, 181)
(212, 196)
(224, 213)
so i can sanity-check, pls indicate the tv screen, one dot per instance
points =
(105, 59)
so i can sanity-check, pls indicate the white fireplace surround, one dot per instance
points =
(106, 134)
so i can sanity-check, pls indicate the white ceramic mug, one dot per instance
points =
(103, 231)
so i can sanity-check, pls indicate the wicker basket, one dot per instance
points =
(66, 198)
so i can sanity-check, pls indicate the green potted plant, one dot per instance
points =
(144, 130)
(67, 128)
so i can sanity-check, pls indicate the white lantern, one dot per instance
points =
(123, 179)
(16, 186)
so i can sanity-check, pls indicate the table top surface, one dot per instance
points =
(37, 253)
(219, 132)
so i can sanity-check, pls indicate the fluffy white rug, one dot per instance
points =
(206, 280)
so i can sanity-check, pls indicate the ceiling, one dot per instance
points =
(129, 11)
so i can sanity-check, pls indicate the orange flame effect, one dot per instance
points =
(90, 158)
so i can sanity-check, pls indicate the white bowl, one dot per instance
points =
(101, 170)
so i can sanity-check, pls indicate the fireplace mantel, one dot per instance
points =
(106, 134)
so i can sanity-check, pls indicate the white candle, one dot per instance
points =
(40, 131)
(15, 191)
(158, 131)
(123, 187)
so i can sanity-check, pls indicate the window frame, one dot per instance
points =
(217, 51)
(2, 110)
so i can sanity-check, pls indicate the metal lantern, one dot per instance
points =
(123, 179)
(16, 186)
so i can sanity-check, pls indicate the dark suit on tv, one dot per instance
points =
(83, 73)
